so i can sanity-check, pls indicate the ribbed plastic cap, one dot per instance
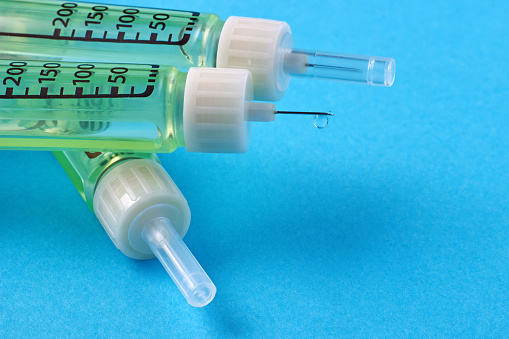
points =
(132, 194)
(216, 108)
(258, 45)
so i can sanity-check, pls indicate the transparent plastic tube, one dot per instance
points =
(369, 70)
(178, 261)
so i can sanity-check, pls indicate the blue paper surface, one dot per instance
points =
(391, 222)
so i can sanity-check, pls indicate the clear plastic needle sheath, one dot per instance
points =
(179, 262)
(363, 69)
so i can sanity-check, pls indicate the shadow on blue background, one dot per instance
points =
(392, 221)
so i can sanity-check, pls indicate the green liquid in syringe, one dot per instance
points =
(91, 106)
(74, 31)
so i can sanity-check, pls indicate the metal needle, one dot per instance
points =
(307, 113)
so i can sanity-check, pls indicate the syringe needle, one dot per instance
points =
(307, 113)
(265, 111)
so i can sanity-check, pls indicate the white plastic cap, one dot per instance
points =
(216, 110)
(132, 194)
(260, 46)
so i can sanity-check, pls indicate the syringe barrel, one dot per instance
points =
(85, 169)
(80, 31)
(90, 106)
(363, 69)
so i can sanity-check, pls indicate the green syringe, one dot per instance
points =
(126, 107)
(77, 31)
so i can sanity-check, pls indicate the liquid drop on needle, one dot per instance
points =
(321, 121)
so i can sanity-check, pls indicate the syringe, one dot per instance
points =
(59, 30)
(143, 212)
(127, 107)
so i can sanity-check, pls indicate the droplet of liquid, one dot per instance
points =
(321, 121)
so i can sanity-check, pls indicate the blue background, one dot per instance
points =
(391, 222)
